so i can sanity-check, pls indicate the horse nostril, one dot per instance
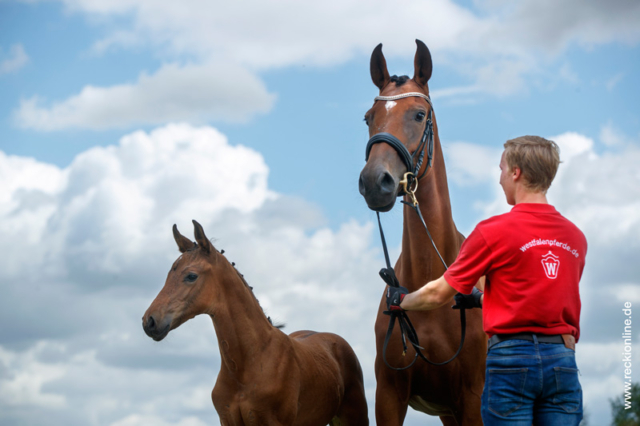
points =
(387, 183)
(151, 323)
(361, 187)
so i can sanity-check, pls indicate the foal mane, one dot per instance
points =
(241, 276)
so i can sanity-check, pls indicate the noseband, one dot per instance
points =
(426, 144)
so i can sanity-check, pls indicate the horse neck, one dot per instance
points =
(242, 329)
(419, 261)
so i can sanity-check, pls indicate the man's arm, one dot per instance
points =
(431, 296)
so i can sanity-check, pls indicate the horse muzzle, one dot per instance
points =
(379, 188)
(157, 329)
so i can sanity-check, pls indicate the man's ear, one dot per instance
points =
(516, 173)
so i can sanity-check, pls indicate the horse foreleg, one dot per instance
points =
(391, 408)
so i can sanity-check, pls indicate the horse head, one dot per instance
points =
(404, 119)
(190, 288)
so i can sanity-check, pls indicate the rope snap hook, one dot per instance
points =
(409, 186)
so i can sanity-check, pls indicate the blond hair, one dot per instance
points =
(537, 158)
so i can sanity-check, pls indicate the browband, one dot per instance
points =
(403, 95)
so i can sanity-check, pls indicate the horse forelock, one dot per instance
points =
(399, 80)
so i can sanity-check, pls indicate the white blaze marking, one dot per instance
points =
(389, 105)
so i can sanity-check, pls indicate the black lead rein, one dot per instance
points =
(407, 331)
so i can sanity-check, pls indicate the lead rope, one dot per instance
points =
(388, 275)
(407, 331)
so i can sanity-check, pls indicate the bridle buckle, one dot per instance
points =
(409, 186)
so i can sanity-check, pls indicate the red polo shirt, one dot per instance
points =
(533, 259)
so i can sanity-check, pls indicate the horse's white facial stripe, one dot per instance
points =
(389, 105)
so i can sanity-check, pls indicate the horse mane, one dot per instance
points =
(399, 81)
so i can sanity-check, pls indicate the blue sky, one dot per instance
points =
(290, 83)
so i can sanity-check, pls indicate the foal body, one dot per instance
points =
(266, 377)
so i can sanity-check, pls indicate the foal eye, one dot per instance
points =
(420, 116)
(191, 277)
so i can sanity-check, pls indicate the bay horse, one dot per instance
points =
(450, 391)
(266, 377)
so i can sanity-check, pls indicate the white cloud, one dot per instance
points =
(613, 137)
(145, 420)
(16, 59)
(613, 81)
(27, 375)
(572, 144)
(192, 92)
(470, 164)
(499, 51)
(88, 248)
(294, 32)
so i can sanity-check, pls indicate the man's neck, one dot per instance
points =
(524, 195)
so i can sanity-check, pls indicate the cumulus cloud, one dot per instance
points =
(88, 248)
(470, 164)
(207, 28)
(193, 92)
(14, 60)
(499, 50)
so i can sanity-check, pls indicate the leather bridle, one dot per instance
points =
(409, 181)
(410, 185)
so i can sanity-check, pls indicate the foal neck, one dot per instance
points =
(242, 329)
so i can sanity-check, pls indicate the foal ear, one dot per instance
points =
(378, 66)
(202, 239)
(422, 64)
(183, 242)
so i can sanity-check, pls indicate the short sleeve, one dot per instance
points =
(472, 262)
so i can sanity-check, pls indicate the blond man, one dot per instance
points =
(532, 259)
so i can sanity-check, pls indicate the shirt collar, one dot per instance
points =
(534, 208)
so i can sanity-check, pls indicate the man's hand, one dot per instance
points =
(394, 298)
(468, 301)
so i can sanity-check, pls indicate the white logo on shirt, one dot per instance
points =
(551, 264)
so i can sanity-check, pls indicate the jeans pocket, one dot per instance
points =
(568, 394)
(506, 389)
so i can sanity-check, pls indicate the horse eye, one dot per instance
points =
(420, 116)
(366, 121)
(191, 277)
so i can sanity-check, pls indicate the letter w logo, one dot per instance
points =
(551, 264)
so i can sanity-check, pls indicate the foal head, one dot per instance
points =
(191, 285)
(405, 119)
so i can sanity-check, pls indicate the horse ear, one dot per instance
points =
(379, 72)
(201, 239)
(183, 242)
(422, 64)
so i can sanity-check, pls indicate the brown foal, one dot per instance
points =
(451, 391)
(266, 377)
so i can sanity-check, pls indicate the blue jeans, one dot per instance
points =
(531, 383)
